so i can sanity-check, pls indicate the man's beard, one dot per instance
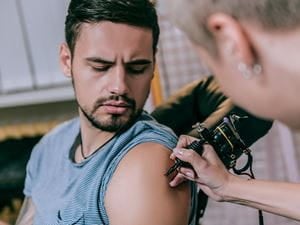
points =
(115, 122)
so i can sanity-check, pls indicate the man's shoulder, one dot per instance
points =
(146, 125)
(62, 133)
(145, 163)
(146, 130)
(63, 129)
(141, 175)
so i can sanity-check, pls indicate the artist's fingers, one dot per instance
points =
(178, 179)
(211, 156)
(185, 140)
(192, 157)
(188, 173)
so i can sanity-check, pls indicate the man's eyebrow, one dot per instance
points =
(130, 63)
(99, 60)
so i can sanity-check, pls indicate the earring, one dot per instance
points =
(248, 72)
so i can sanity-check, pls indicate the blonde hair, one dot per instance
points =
(191, 15)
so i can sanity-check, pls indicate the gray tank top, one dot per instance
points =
(65, 192)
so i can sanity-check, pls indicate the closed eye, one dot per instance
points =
(101, 68)
(136, 69)
(138, 66)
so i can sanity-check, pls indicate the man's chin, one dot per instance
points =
(122, 122)
(113, 124)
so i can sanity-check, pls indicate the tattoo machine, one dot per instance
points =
(225, 140)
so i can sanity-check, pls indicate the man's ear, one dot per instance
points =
(231, 39)
(155, 66)
(65, 59)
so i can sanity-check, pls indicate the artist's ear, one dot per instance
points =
(232, 42)
(65, 59)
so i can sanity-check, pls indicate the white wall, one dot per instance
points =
(31, 31)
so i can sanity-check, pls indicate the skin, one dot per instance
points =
(272, 94)
(209, 173)
(111, 69)
(106, 71)
(274, 50)
(148, 198)
(26, 214)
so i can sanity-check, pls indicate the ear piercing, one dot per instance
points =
(249, 71)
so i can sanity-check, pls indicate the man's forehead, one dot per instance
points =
(108, 27)
(111, 40)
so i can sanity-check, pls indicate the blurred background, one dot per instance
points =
(35, 96)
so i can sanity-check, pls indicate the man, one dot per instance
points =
(253, 49)
(107, 166)
(111, 74)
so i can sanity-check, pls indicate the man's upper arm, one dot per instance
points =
(27, 212)
(139, 192)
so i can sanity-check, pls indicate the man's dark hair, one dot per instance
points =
(140, 13)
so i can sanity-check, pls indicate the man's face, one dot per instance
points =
(111, 68)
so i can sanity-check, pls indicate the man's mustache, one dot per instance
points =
(101, 101)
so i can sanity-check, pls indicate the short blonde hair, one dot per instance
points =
(191, 15)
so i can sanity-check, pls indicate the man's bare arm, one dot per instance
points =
(139, 192)
(26, 213)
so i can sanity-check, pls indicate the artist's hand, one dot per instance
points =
(208, 171)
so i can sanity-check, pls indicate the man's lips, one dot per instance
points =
(117, 103)
(116, 107)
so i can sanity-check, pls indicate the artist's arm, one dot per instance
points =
(198, 101)
(216, 181)
(27, 212)
(281, 198)
(203, 101)
(139, 192)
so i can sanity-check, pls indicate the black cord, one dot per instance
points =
(261, 217)
(251, 175)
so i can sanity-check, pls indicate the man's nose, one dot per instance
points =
(118, 81)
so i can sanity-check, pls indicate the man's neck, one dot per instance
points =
(92, 138)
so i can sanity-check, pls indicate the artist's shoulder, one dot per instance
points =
(140, 186)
